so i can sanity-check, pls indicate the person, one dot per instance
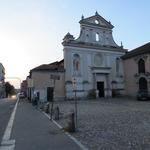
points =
(34, 101)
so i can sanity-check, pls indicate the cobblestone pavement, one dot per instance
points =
(110, 124)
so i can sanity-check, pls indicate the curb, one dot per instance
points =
(67, 133)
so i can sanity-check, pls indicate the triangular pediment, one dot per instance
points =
(96, 20)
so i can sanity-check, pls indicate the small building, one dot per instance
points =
(93, 60)
(2, 81)
(47, 81)
(23, 87)
(137, 70)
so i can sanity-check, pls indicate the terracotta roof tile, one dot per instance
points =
(138, 51)
(55, 66)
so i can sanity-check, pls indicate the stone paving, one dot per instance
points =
(110, 124)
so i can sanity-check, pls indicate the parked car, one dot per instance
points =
(143, 95)
(21, 95)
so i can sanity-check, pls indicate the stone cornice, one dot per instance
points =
(95, 25)
(97, 17)
(94, 46)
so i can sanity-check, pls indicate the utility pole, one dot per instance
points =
(52, 100)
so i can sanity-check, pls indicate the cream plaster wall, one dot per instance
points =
(41, 80)
(130, 69)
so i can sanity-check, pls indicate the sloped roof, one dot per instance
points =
(55, 66)
(138, 51)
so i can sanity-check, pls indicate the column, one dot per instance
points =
(108, 88)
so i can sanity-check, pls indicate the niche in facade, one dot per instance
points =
(76, 64)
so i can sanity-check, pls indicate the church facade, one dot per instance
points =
(93, 60)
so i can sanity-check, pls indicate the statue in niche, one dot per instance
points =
(76, 64)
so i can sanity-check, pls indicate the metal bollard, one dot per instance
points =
(47, 108)
(71, 123)
(56, 112)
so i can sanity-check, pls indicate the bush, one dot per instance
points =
(92, 94)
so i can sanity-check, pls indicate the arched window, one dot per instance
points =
(97, 37)
(141, 66)
(76, 63)
(143, 84)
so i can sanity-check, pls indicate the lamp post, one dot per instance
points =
(54, 77)
(75, 99)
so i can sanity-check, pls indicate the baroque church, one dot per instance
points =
(92, 64)
(93, 60)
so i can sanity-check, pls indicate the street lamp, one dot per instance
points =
(54, 77)
(75, 98)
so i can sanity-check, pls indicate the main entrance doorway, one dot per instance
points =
(100, 88)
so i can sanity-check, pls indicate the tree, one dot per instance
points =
(9, 89)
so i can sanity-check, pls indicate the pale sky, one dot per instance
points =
(31, 31)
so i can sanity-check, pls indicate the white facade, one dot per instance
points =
(92, 61)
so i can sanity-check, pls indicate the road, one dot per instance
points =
(32, 129)
(6, 108)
